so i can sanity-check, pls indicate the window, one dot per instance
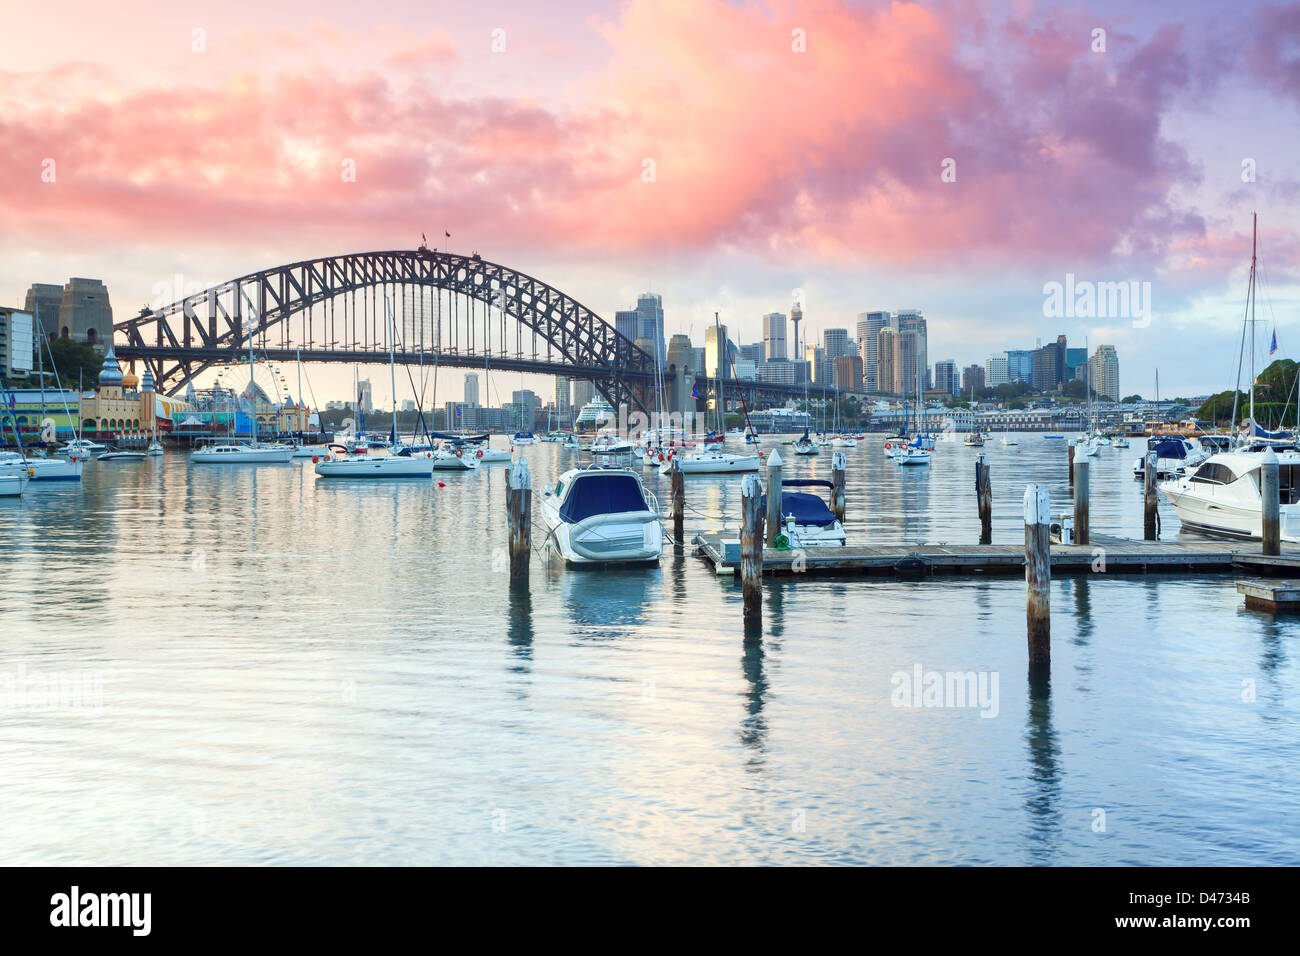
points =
(90, 336)
(1212, 473)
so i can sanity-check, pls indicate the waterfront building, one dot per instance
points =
(996, 371)
(681, 362)
(774, 349)
(1105, 372)
(17, 343)
(869, 326)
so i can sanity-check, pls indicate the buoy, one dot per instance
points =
(442, 484)
(315, 459)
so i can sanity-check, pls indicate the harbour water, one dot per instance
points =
(230, 665)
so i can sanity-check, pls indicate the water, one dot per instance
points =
(275, 669)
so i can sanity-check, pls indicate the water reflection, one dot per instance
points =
(1044, 792)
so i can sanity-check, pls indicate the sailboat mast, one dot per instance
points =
(1253, 241)
(299, 411)
(722, 375)
(392, 366)
(252, 386)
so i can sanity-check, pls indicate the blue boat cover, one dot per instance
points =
(1259, 431)
(597, 494)
(807, 509)
(1168, 448)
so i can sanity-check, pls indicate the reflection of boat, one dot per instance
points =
(1223, 497)
(600, 515)
(807, 520)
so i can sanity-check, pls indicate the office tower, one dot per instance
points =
(995, 370)
(848, 373)
(43, 301)
(756, 353)
(714, 355)
(820, 368)
(774, 349)
(627, 323)
(471, 389)
(869, 326)
(886, 355)
(972, 378)
(945, 376)
(563, 403)
(17, 335)
(698, 364)
(778, 373)
(650, 322)
(1076, 364)
(84, 311)
(583, 392)
(1049, 366)
(836, 342)
(1020, 365)
(1105, 372)
(526, 405)
(911, 320)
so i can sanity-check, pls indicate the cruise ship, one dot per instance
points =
(594, 414)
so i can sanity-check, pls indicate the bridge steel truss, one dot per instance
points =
(212, 327)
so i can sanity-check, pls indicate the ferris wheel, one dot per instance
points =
(268, 376)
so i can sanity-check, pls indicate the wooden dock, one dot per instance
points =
(1104, 554)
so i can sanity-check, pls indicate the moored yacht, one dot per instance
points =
(1223, 495)
(599, 515)
(42, 469)
(807, 521)
(1174, 457)
(242, 454)
(408, 465)
(11, 486)
(710, 461)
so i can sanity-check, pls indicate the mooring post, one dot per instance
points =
(1038, 576)
(679, 502)
(1081, 501)
(984, 498)
(838, 466)
(751, 551)
(1070, 456)
(773, 497)
(519, 495)
(1269, 492)
(1149, 500)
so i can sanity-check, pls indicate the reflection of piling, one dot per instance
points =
(679, 501)
(1271, 503)
(984, 498)
(751, 551)
(1081, 501)
(773, 498)
(838, 465)
(519, 495)
(1149, 497)
(1038, 576)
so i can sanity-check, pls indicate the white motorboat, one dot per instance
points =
(807, 520)
(1119, 441)
(525, 438)
(600, 515)
(242, 454)
(1175, 457)
(311, 451)
(850, 443)
(710, 461)
(974, 440)
(488, 455)
(453, 459)
(117, 454)
(11, 486)
(411, 465)
(1222, 496)
(81, 446)
(42, 469)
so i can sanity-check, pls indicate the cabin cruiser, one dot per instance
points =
(1174, 457)
(1222, 495)
(311, 451)
(42, 469)
(81, 446)
(807, 521)
(453, 458)
(486, 454)
(117, 454)
(710, 461)
(600, 514)
(525, 438)
(402, 464)
(243, 455)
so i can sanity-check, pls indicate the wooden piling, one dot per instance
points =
(774, 521)
(679, 503)
(1038, 576)
(1271, 503)
(1081, 501)
(1149, 500)
(520, 496)
(1070, 461)
(751, 552)
(984, 498)
(839, 464)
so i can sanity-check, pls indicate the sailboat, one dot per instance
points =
(252, 453)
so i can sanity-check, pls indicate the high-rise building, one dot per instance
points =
(911, 320)
(84, 312)
(848, 373)
(779, 373)
(364, 396)
(471, 389)
(526, 404)
(1105, 372)
(43, 301)
(995, 370)
(869, 326)
(681, 360)
(756, 353)
(774, 349)
(17, 335)
(627, 323)
(650, 322)
(1049, 366)
(1020, 365)
(886, 355)
(945, 376)
(583, 392)
(563, 403)
(972, 378)
(820, 368)
(714, 356)
(836, 342)
(1076, 364)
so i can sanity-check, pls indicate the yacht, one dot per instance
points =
(11, 486)
(1119, 441)
(912, 455)
(1174, 457)
(807, 520)
(242, 454)
(975, 440)
(408, 465)
(117, 454)
(806, 446)
(525, 438)
(487, 455)
(599, 515)
(81, 446)
(710, 461)
(155, 448)
(453, 458)
(41, 469)
(311, 451)
(1222, 495)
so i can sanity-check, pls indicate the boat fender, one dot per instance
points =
(428, 454)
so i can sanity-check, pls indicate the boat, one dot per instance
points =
(710, 461)
(1223, 497)
(41, 469)
(487, 455)
(1174, 457)
(1119, 441)
(408, 465)
(242, 454)
(453, 458)
(81, 446)
(1009, 439)
(804, 445)
(155, 448)
(974, 440)
(602, 515)
(11, 486)
(311, 451)
(807, 521)
(1054, 437)
(850, 442)
(524, 438)
(117, 454)
(913, 456)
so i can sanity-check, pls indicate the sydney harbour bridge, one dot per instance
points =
(447, 309)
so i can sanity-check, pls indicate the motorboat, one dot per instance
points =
(710, 461)
(242, 454)
(403, 465)
(311, 451)
(488, 455)
(602, 515)
(453, 458)
(42, 469)
(1054, 437)
(751, 438)
(975, 440)
(850, 442)
(1175, 457)
(1009, 439)
(1119, 441)
(117, 454)
(1222, 495)
(807, 521)
(11, 486)
(524, 438)
(81, 446)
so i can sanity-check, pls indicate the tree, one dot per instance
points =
(76, 362)
(1077, 388)
(1130, 399)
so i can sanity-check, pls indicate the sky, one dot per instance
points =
(953, 157)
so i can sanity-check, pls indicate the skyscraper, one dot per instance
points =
(945, 376)
(774, 349)
(972, 378)
(563, 403)
(583, 392)
(995, 370)
(714, 355)
(1105, 372)
(650, 322)
(869, 326)
(848, 373)
(471, 388)
(886, 352)
(627, 323)
(820, 368)
(1020, 365)
(911, 320)
(836, 342)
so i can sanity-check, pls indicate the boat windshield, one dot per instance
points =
(602, 495)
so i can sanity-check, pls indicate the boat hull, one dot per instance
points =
(369, 466)
(243, 456)
(44, 469)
